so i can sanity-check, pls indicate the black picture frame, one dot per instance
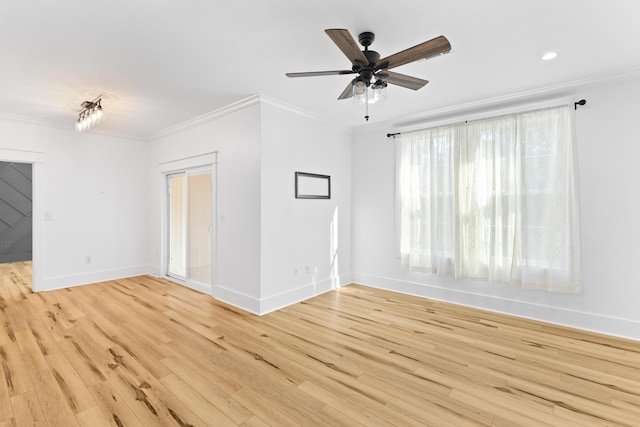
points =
(312, 186)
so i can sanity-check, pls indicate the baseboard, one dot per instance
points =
(61, 282)
(624, 328)
(237, 299)
(293, 296)
(262, 306)
(153, 270)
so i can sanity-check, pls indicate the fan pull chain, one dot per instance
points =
(366, 103)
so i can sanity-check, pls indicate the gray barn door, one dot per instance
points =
(15, 212)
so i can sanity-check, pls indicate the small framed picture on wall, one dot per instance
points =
(312, 186)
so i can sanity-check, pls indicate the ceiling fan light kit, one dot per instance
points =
(370, 85)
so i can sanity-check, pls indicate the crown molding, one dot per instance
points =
(563, 91)
(25, 119)
(267, 100)
(240, 105)
(223, 111)
(15, 118)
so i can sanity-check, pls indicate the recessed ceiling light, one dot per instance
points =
(549, 56)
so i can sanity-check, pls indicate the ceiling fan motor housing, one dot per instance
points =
(366, 71)
(372, 56)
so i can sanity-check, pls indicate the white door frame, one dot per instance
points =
(207, 161)
(35, 158)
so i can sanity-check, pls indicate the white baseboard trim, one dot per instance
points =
(61, 282)
(237, 299)
(624, 328)
(154, 270)
(275, 302)
(293, 296)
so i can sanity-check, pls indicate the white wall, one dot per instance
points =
(79, 181)
(103, 197)
(306, 244)
(233, 133)
(263, 232)
(608, 149)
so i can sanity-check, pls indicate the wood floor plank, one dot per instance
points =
(261, 378)
(144, 394)
(92, 417)
(55, 407)
(14, 319)
(30, 351)
(353, 406)
(81, 362)
(16, 374)
(144, 351)
(209, 388)
(71, 385)
(415, 401)
(6, 410)
(254, 422)
(27, 410)
(264, 410)
(44, 339)
(114, 408)
(197, 403)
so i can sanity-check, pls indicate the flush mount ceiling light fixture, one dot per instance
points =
(549, 56)
(373, 73)
(90, 115)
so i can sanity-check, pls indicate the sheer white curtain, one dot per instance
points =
(493, 199)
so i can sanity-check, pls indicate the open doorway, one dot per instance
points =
(190, 223)
(16, 226)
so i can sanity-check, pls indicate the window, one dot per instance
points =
(493, 199)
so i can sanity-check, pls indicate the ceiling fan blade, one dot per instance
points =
(347, 92)
(403, 80)
(319, 73)
(430, 48)
(348, 46)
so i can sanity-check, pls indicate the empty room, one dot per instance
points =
(287, 213)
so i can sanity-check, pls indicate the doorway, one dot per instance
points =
(190, 228)
(16, 224)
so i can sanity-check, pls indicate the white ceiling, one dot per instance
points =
(159, 63)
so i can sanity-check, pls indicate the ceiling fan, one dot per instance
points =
(372, 71)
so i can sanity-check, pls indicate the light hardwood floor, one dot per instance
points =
(147, 352)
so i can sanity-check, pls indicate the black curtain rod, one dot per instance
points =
(575, 107)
